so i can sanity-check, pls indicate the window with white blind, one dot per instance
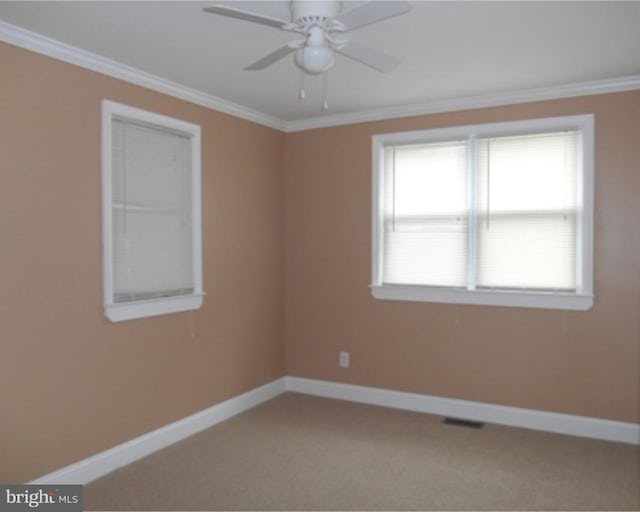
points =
(152, 261)
(494, 214)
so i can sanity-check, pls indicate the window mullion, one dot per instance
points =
(472, 233)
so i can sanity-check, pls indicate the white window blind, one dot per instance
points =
(527, 208)
(486, 214)
(152, 228)
(426, 218)
(151, 220)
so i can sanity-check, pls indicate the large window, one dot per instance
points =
(496, 214)
(151, 213)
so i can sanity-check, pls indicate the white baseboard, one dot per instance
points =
(100, 464)
(513, 416)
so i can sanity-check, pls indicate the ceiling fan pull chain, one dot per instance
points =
(325, 84)
(302, 94)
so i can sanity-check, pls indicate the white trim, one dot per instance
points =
(620, 84)
(33, 41)
(152, 307)
(515, 299)
(100, 464)
(581, 426)
(586, 194)
(23, 38)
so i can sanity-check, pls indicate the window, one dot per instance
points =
(152, 261)
(494, 214)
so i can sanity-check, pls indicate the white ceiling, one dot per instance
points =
(449, 49)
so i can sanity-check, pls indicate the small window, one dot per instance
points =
(495, 214)
(152, 261)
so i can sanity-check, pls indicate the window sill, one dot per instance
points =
(524, 299)
(152, 307)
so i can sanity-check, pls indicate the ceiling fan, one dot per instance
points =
(322, 25)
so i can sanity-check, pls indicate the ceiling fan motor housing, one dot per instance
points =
(314, 12)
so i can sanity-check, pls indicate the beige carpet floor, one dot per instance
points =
(298, 452)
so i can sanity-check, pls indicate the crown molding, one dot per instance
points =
(38, 43)
(23, 38)
(621, 84)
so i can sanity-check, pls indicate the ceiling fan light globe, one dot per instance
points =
(315, 60)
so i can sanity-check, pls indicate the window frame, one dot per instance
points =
(140, 308)
(581, 300)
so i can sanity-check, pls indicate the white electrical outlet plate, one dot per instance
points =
(344, 359)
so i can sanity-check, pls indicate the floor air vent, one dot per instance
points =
(463, 423)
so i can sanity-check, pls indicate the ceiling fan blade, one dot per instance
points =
(223, 10)
(372, 12)
(369, 56)
(267, 60)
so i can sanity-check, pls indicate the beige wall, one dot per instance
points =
(71, 383)
(584, 363)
